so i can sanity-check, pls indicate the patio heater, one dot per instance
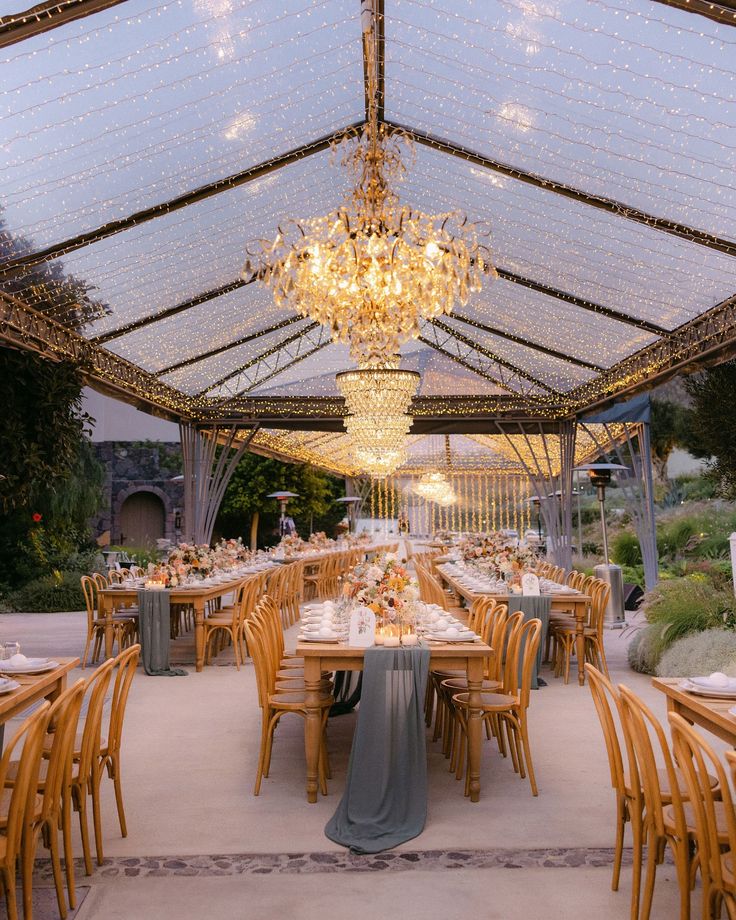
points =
(600, 476)
(351, 503)
(282, 498)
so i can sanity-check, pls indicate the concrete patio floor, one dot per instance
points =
(201, 845)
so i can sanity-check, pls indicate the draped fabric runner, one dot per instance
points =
(385, 798)
(533, 607)
(154, 629)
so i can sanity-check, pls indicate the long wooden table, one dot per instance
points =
(319, 657)
(33, 687)
(110, 599)
(708, 712)
(574, 602)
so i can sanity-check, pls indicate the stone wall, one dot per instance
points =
(134, 466)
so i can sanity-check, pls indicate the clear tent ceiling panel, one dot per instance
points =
(574, 247)
(550, 371)
(201, 376)
(537, 318)
(201, 329)
(166, 261)
(628, 100)
(143, 102)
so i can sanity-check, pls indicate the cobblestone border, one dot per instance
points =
(330, 862)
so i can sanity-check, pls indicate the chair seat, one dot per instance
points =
(461, 683)
(490, 702)
(49, 740)
(220, 621)
(296, 701)
(720, 814)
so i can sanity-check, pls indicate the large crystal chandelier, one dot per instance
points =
(377, 400)
(374, 268)
(434, 485)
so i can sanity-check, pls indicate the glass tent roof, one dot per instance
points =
(144, 146)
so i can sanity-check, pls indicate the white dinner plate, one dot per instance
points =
(705, 683)
(461, 637)
(30, 668)
(7, 686)
(720, 694)
(314, 637)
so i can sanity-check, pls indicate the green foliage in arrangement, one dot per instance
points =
(700, 653)
(60, 591)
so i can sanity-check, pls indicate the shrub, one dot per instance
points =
(685, 605)
(714, 546)
(625, 549)
(633, 574)
(646, 648)
(702, 653)
(50, 594)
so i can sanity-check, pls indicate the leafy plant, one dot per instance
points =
(646, 648)
(685, 605)
(60, 591)
(625, 549)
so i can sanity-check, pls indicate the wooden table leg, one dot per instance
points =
(580, 620)
(199, 631)
(313, 723)
(475, 725)
(108, 608)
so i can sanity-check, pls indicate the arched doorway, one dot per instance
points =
(142, 519)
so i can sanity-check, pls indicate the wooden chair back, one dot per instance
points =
(115, 577)
(509, 651)
(698, 762)
(100, 580)
(639, 724)
(492, 633)
(23, 796)
(521, 657)
(607, 702)
(89, 590)
(257, 644)
(63, 721)
(600, 594)
(96, 689)
(124, 666)
(478, 612)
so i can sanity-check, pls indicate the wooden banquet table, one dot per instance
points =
(319, 657)
(196, 597)
(708, 712)
(572, 601)
(34, 687)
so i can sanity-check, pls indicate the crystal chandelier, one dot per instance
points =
(434, 487)
(374, 268)
(377, 400)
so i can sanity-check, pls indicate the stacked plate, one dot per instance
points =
(318, 624)
(716, 685)
(19, 664)
(448, 629)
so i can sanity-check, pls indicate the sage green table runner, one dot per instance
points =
(154, 630)
(533, 607)
(385, 798)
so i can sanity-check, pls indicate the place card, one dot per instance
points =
(530, 585)
(362, 628)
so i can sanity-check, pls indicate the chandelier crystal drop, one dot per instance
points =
(378, 400)
(373, 269)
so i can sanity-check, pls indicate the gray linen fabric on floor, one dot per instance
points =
(532, 607)
(154, 629)
(385, 798)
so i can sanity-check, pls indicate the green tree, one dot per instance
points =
(667, 431)
(711, 429)
(248, 512)
(52, 481)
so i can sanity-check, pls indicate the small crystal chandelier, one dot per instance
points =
(374, 268)
(378, 400)
(434, 486)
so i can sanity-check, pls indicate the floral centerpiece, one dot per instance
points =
(291, 544)
(497, 554)
(385, 586)
(320, 540)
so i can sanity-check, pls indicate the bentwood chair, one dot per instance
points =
(507, 709)
(713, 814)
(276, 703)
(124, 625)
(24, 807)
(228, 623)
(53, 786)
